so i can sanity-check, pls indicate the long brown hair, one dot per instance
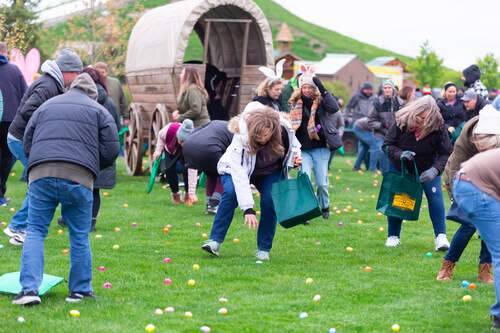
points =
(406, 118)
(191, 76)
(264, 129)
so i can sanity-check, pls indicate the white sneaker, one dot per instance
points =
(392, 241)
(9, 232)
(18, 240)
(262, 255)
(211, 247)
(16, 237)
(441, 242)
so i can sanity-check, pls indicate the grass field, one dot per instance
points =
(264, 297)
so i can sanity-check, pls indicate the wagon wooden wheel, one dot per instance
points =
(158, 120)
(134, 141)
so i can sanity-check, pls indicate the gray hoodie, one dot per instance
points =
(50, 67)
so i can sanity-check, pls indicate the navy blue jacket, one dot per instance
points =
(72, 128)
(12, 88)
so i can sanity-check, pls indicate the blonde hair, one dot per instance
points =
(484, 142)
(264, 129)
(264, 86)
(191, 76)
(407, 116)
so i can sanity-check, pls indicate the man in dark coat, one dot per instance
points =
(473, 103)
(12, 88)
(57, 76)
(68, 140)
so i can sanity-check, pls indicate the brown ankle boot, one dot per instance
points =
(176, 198)
(484, 274)
(446, 271)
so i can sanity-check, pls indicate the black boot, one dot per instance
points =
(496, 323)
(325, 212)
(92, 227)
(61, 223)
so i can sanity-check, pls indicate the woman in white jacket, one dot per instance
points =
(263, 148)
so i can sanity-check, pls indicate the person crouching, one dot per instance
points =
(262, 149)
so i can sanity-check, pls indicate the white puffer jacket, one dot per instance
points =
(240, 164)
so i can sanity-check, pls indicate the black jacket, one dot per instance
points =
(328, 105)
(453, 115)
(72, 128)
(381, 117)
(480, 104)
(431, 151)
(107, 177)
(40, 91)
(205, 146)
(12, 88)
(268, 101)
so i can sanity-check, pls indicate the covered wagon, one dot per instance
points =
(236, 39)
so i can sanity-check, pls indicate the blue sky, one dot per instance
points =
(458, 30)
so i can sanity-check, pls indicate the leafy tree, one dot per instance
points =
(489, 70)
(339, 89)
(104, 34)
(427, 67)
(18, 26)
(450, 75)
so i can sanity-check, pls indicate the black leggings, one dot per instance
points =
(96, 204)
(173, 171)
(7, 160)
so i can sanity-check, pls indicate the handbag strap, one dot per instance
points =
(404, 170)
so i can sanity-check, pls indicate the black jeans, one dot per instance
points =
(460, 241)
(7, 160)
(96, 204)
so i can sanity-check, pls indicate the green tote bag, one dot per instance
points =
(294, 201)
(154, 172)
(400, 194)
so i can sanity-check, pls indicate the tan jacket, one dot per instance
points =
(463, 150)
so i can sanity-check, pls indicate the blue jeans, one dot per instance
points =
(434, 194)
(229, 202)
(459, 243)
(484, 212)
(317, 158)
(374, 142)
(76, 208)
(18, 221)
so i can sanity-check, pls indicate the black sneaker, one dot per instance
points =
(325, 212)
(29, 298)
(75, 297)
(211, 210)
(61, 223)
(496, 323)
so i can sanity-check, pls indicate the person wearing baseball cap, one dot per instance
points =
(473, 103)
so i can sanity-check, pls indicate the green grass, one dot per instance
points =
(262, 297)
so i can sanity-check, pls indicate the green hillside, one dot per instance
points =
(333, 42)
(312, 42)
